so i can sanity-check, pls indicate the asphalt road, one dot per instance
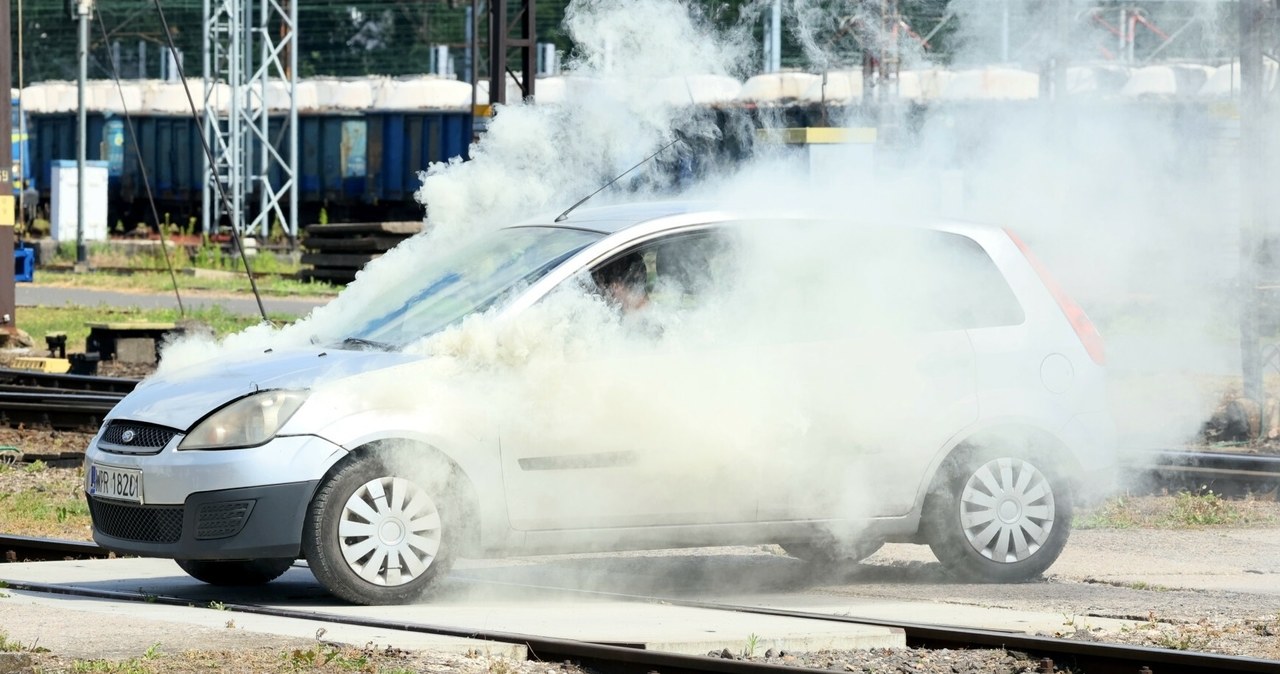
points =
(29, 295)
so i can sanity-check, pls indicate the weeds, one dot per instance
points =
(134, 666)
(8, 645)
(322, 655)
(1181, 510)
(36, 466)
(1203, 510)
(753, 640)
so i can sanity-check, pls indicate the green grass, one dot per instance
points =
(37, 512)
(73, 320)
(1204, 510)
(160, 282)
(9, 646)
(206, 255)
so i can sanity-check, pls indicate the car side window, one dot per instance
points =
(676, 272)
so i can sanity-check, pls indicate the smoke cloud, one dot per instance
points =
(728, 396)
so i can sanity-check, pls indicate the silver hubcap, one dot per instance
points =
(390, 531)
(1006, 510)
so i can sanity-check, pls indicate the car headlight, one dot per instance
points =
(247, 422)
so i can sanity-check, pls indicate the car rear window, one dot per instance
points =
(972, 292)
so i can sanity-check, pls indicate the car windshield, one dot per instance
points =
(467, 280)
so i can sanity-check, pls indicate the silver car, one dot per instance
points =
(934, 385)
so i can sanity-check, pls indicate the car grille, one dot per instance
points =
(132, 437)
(222, 520)
(145, 524)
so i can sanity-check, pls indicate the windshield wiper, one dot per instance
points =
(367, 344)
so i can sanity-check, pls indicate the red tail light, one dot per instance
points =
(1084, 327)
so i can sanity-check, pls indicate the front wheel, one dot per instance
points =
(998, 517)
(375, 537)
(236, 572)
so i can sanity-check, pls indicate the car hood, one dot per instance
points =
(181, 398)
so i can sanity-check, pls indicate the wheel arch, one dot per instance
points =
(467, 490)
(1033, 438)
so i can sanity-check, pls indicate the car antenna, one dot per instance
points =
(618, 177)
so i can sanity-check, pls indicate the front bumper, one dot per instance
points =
(213, 504)
(246, 523)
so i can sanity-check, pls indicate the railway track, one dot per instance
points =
(1054, 654)
(58, 401)
(29, 549)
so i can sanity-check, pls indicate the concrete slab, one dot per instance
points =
(934, 613)
(466, 606)
(123, 629)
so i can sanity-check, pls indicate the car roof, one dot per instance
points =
(613, 218)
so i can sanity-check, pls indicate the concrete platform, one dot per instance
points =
(464, 605)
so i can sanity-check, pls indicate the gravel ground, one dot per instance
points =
(277, 658)
(1088, 583)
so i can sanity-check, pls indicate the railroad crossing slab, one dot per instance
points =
(933, 613)
(461, 605)
(126, 629)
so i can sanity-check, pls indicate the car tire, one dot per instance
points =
(375, 537)
(998, 516)
(236, 572)
(830, 553)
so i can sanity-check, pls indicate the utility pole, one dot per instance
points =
(7, 325)
(83, 10)
(501, 41)
(22, 131)
(1255, 162)
(243, 53)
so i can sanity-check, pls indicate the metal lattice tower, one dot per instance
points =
(250, 61)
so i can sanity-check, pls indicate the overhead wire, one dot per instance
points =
(142, 167)
(208, 152)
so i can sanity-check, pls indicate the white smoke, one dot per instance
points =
(1107, 191)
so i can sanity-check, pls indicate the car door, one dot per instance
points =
(645, 435)
(884, 378)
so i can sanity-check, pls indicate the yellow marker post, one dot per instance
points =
(828, 150)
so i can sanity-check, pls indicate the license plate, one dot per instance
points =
(124, 484)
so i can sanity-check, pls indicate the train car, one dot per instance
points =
(19, 148)
(354, 166)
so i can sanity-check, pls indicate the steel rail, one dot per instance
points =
(1221, 463)
(602, 657)
(63, 411)
(1086, 656)
(27, 548)
(68, 382)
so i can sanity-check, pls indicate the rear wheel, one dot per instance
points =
(236, 572)
(375, 537)
(998, 517)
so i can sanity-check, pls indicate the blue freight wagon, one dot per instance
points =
(19, 149)
(360, 167)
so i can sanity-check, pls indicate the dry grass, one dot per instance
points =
(321, 657)
(1179, 511)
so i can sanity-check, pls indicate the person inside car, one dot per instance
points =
(624, 282)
